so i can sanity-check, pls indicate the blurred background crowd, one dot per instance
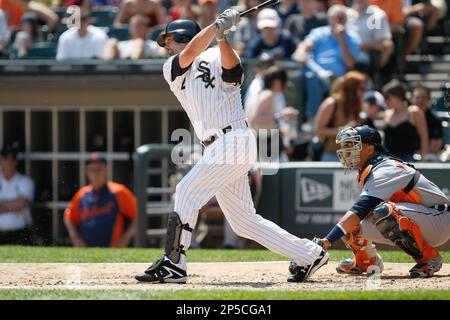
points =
(351, 59)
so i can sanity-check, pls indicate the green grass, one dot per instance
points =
(15, 294)
(79, 255)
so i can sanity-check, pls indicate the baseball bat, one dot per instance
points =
(259, 6)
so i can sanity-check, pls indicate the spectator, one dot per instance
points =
(338, 111)
(424, 10)
(285, 9)
(272, 39)
(301, 24)
(398, 23)
(45, 14)
(103, 213)
(272, 112)
(208, 12)
(183, 9)
(257, 84)
(85, 42)
(327, 52)
(246, 29)
(13, 12)
(373, 28)
(373, 104)
(149, 8)
(138, 47)
(16, 197)
(406, 127)
(4, 32)
(421, 97)
(28, 35)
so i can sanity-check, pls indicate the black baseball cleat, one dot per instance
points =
(302, 273)
(163, 271)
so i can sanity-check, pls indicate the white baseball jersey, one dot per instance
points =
(213, 104)
(210, 103)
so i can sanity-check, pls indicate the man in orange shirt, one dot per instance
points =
(398, 21)
(103, 213)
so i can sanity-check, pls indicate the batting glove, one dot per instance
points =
(226, 22)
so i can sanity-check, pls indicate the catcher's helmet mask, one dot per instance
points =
(351, 140)
(182, 31)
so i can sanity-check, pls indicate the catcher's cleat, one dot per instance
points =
(163, 271)
(350, 266)
(426, 269)
(302, 273)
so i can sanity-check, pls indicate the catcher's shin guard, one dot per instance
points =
(173, 247)
(366, 258)
(402, 231)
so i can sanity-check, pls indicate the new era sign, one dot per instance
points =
(314, 190)
(324, 190)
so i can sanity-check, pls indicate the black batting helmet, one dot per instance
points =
(183, 31)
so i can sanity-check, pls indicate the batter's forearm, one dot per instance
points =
(197, 45)
(228, 56)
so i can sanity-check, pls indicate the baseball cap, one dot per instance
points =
(268, 18)
(375, 97)
(96, 158)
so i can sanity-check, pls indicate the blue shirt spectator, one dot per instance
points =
(282, 49)
(271, 39)
(327, 51)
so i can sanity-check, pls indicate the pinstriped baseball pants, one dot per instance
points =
(222, 172)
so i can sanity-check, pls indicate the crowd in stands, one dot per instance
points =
(344, 49)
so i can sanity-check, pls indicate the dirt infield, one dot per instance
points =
(209, 276)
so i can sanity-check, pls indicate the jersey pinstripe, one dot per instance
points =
(210, 103)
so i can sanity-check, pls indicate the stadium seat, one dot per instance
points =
(104, 16)
(120, 33)
(42, 50)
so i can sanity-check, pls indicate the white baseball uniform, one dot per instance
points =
(213, 104)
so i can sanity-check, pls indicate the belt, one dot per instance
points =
(213, 138)
(441, 207)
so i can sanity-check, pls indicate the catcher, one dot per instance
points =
(397, 206)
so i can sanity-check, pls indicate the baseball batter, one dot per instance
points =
(207, 84)
(397, 206)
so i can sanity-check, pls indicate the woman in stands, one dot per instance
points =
(340, 110)
(406, 128)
